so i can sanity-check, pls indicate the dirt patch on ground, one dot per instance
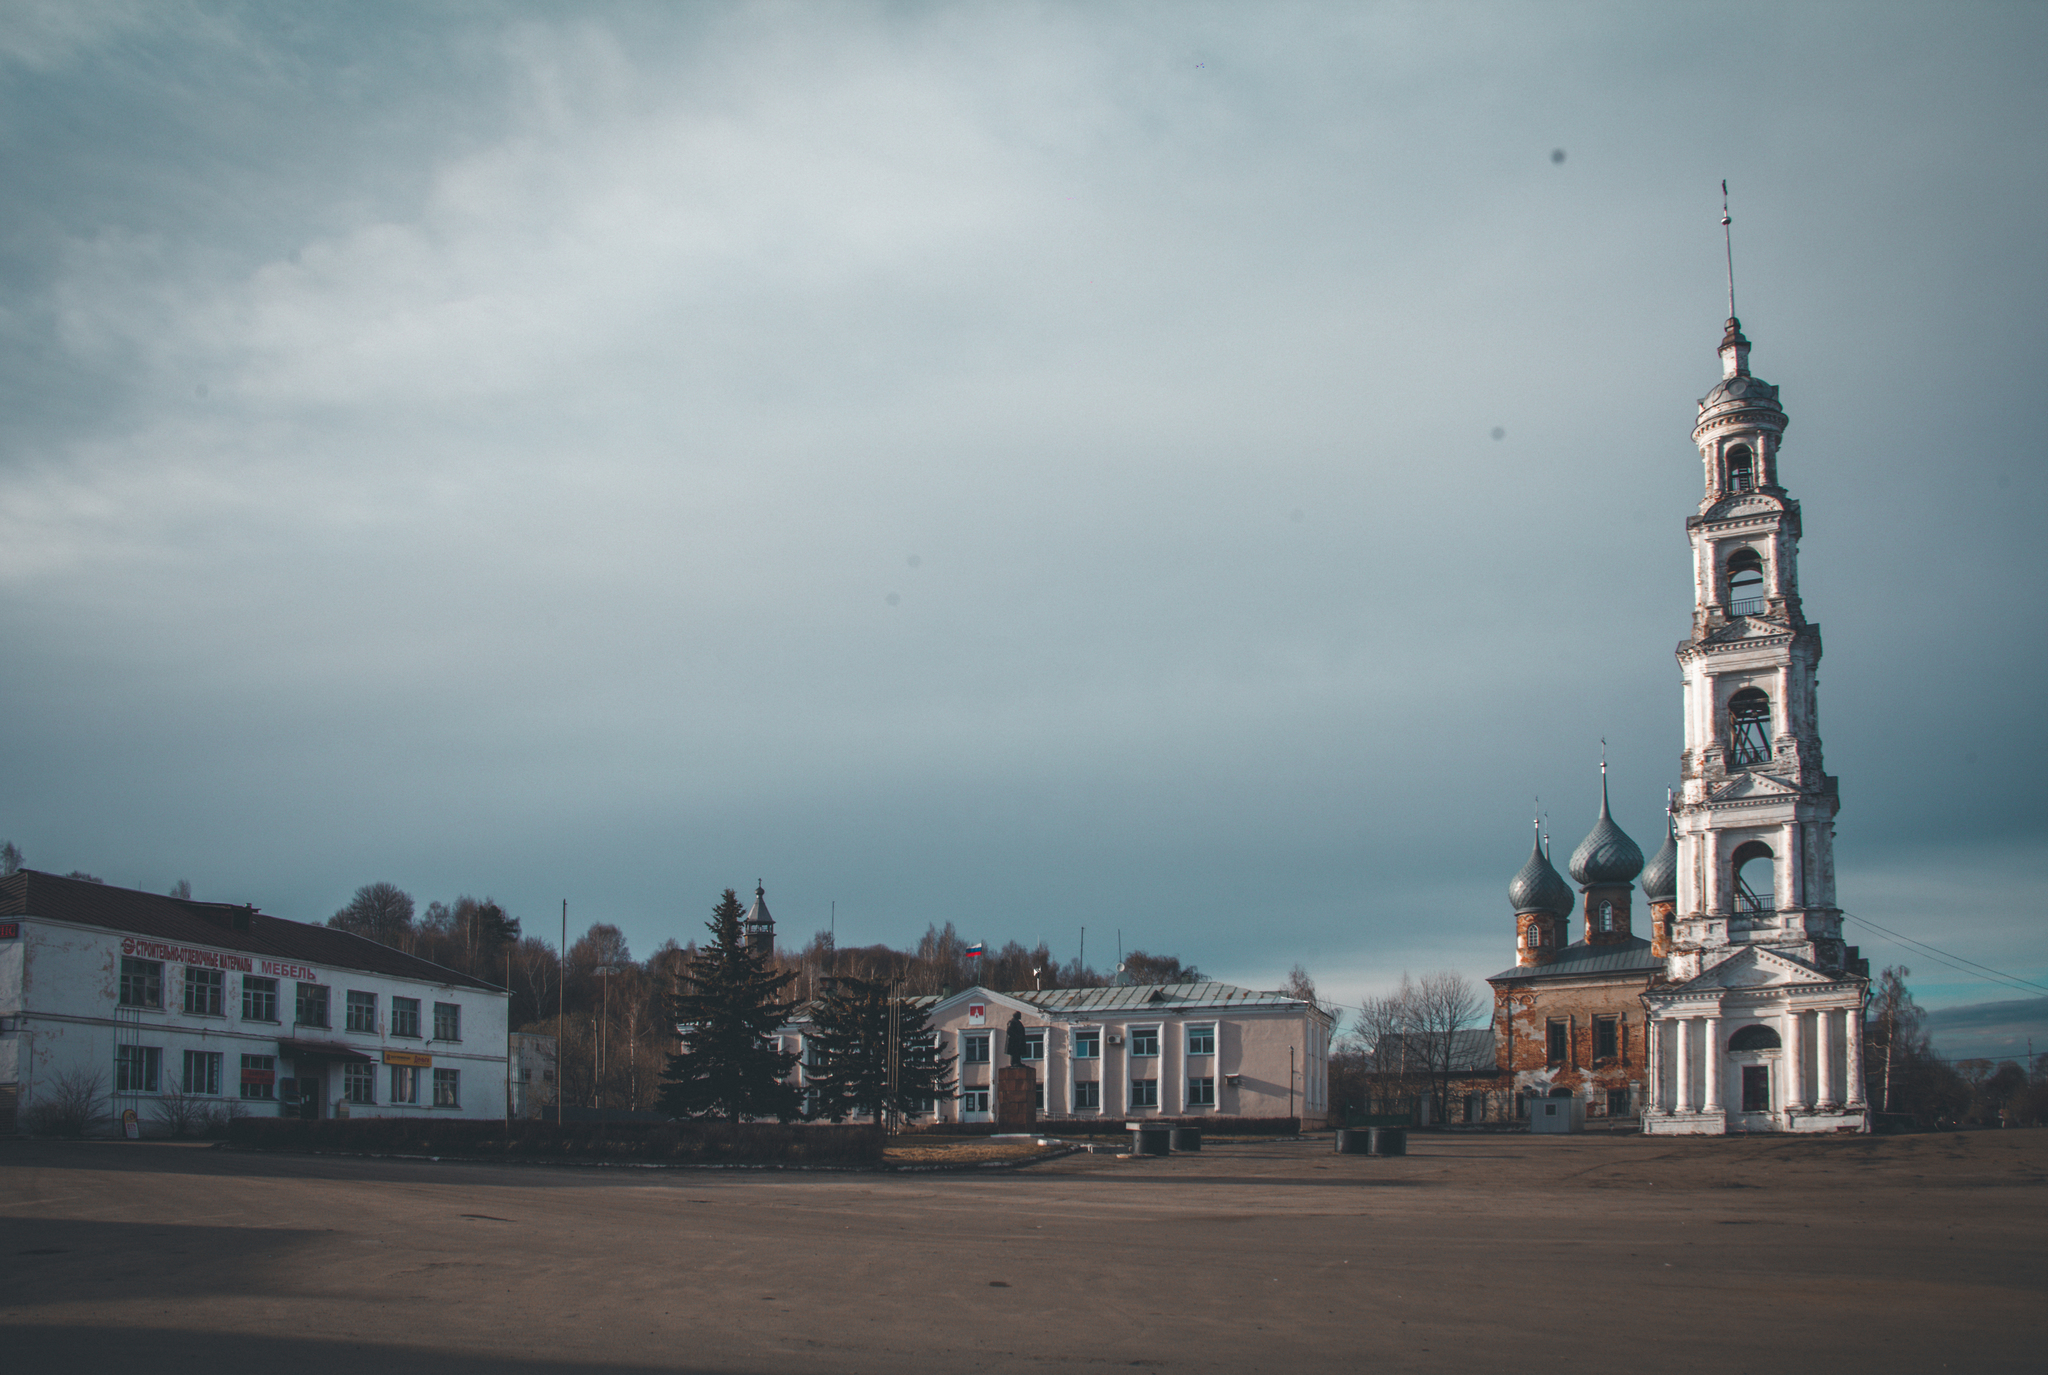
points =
(1593, 1253)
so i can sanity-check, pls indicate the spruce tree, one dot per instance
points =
(730, 1065)
(850, 1029)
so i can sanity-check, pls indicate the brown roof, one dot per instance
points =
(224, 925)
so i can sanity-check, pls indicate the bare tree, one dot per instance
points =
(179, 1114)
(182, 890)
(381, 911)
(10, 859)
(1300, 985)
(1444, 1006)
(1896, 1018)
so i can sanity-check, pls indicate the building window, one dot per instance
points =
(973, 1100)
(1087, 1095)
(1087, 1045)
(259, 999)
(203, 991)
(1618, 1104)
(447, 1021)
(362, 1011)
(1034, 1045)
(137, 1069)
(1756, 1088)
(1202, 1039)
(446, 1084)
(1144, 1093)
(405, 1082)
(1038, 1097)
(1749, 728)
(312, 1005)
(405, 1016)
(974, 1050)
(142, 982)
(1202, 1092)
(1605, 921)
(1606, 1038)
(1144, 1040)
(259, 1076)
(1754, 1037)
(358, 1083)
(202, 1072)
(1560, 1042)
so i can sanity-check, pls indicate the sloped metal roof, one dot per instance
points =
(32, 893)
(1578, 959)
(1150, 997)
(1085, 1002)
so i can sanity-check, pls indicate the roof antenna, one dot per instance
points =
(1728, 247)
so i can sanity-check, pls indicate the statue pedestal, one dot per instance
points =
(1016, 1090)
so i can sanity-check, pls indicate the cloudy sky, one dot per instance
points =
(1196, 473)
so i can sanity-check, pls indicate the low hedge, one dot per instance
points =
(1116, 1126)
(750, 1143)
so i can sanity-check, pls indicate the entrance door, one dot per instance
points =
(1756, 1088)
(302, 1096)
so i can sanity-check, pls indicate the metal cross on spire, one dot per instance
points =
(1728, 246)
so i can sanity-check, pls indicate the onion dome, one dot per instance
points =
(1660, 875)
(1537, 888)
(1607, 855)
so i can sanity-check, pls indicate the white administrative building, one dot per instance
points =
(1187, 1050)
(160, 998)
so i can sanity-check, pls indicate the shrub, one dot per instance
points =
(649, 1142)
(180, 1116)
(73, 1104)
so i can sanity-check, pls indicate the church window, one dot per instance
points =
(1749, 728)
(1560, 1042)
(1606, 1038)
(1605, 921)
(1741, 469)
(1752, 864)
(1618, 1104)
(1754, 1037)
(1746, 583)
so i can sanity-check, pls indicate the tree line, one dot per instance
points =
(616, 1017)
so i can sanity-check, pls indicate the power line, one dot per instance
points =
(1947, 958)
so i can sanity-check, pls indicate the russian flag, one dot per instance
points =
(974, 951)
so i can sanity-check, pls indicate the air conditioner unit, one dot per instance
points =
(1116, 1040)
(1230, 1079)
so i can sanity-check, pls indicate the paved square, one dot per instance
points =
(1475, 1253)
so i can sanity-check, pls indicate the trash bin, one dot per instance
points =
(1389, 1141)
(1151, 1140)
(1187, 1138)
(1354, 1141)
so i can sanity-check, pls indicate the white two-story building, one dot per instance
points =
(1184, 1051)
(157, 997)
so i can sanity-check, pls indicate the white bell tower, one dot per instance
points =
(1756, 813)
